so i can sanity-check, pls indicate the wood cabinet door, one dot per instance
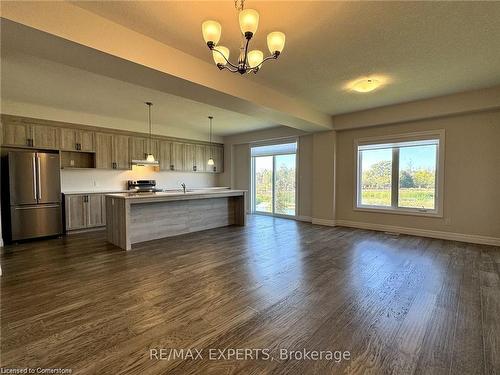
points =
(219, 159)
(16, 134)
(138, 148)
(121, 154)
(76, 212)
(94, 210)
(45, 136)
(177, 157)
(86, 141)
(189, 157)
(68, 139)
(201, 158)
(164, 150)
(103, 151)
(103, 205)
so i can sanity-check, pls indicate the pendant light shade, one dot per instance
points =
(210, 158)
(276, 41)
(249, 21)
(211, 31)
(218, 58)
(255, 57)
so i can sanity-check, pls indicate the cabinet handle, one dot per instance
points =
(194, 168)
(114, 165)
(171, 167)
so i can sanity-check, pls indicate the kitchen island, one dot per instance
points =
(138, 217)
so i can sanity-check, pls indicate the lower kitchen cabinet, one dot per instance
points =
(84, 211)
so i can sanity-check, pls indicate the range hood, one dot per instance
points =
(145, 163)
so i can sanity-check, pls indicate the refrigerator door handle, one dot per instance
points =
(39, 178)
(35, 193)
(37, 207)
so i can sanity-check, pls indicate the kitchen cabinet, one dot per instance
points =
(75, 210)
(84, 211)
(16, 134)
(217, 153)
(103, 150)
(24, 134)
(190, 157)
(177, 157)
(94, 211)
(201, 158)
(138, 148)
(45, 136)
(120, 152)
(164, 155)
(76, 140)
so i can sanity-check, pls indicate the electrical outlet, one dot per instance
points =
(447, 221)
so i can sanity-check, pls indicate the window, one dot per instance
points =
(402, 174)
(274, 179)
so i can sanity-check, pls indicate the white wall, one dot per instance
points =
(89, 179)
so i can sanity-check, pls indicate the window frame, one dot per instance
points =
(438, 135)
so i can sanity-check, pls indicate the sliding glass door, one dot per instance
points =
(274, 179)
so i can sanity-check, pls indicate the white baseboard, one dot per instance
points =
(330, 223)
(471, 238)
(303, 218)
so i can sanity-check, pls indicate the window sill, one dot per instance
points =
(400, 211)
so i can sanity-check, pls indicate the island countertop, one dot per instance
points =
(134, 198)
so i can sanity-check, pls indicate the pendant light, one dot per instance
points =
(210, 159)
(150, 157)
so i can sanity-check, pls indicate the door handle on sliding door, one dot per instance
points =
(39, 178)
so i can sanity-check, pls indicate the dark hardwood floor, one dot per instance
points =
(402, 305)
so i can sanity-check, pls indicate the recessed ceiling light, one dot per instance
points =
(366, 85)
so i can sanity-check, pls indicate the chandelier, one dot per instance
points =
(248, 61)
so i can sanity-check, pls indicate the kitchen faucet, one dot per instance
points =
(184, 187)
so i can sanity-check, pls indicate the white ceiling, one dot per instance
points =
(34, 80)
(425, 49)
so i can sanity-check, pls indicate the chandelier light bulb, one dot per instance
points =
(255, 57)
(210, 161)
(275, 41)
(249, 21)
(150, 158)
(218, 58)
(211, 31)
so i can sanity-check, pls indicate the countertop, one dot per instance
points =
(108, 191)
(173, 196)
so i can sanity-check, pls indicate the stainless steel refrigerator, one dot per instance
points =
(34, 194)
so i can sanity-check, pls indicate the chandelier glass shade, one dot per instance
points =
(248, 61)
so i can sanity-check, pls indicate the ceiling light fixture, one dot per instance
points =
(248, 61)
(210, 159)
(150, 159)
(366, 85)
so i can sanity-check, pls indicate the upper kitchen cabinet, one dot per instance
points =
(217, 153)
(201, 159)
(16, 134)
(177, 157)
(20, 133)
(190, 157)
(103, 150)
(141, 146)
(120, 152)
(77, 140)
(138, 148)
(164, 154)
(45, 136)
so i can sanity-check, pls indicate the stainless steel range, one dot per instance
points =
(142, 186)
